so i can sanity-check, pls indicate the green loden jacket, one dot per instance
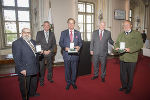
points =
(133, 41)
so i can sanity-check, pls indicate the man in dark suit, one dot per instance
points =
(46, 39)
(144, 36)
(99, 49)
(23, 50)
(70, 60)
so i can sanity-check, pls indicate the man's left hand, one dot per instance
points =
(47, 52)
(127, 49)
(77, 48)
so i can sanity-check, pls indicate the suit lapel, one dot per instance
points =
(75, 35)
(43, 36)
(68, 36)
(97, 34)
(104, 34)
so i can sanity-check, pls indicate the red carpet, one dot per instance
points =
(87, 89)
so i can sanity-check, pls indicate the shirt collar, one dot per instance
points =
(45, 31)
(70, 30)
(128, 32)
(101, 30)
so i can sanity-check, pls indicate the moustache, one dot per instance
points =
(27, 38)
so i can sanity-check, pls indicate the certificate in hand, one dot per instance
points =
(38, 48)
(122, 45)
(122, 48)
(72, 49)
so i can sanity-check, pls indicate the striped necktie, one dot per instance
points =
(31, 46)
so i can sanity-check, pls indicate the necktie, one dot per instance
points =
(71, 36)
(100, 36)
(31, 46)
(47, 36)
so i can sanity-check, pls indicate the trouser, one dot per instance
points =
(49, 66)
(70, 71)
(96, 60)
(28, 86)
(127, 73)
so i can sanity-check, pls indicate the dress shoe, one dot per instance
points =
(94, 77)
(128, 91)
(74, 86)
(41, 83)
(67, 87)
(51, 81)
(35, 95)
(122, 88)
(103, 79)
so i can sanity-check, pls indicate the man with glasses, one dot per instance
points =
(23, 50)
(47, 40)
(132, 42)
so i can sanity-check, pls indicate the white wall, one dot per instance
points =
(116, 24)
(61, 11)
(108, 7)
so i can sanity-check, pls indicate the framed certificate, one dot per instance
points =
(72, 49)
(122, 45)
(38, 48)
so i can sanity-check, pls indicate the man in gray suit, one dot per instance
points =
(99, 49)
(46, 39)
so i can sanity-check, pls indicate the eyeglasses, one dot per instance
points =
(27, 32)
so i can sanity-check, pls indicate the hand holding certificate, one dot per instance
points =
(72, 49)
(122, 48)
(38, 49)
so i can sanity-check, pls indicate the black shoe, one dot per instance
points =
(67, 87)
(103, 79)
(127, 91)
(36, 95)
(51, 81)
(74, 86)
(41, 83)
(121, 89)
(94, 77)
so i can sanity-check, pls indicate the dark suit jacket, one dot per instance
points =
(40, 39)
(24, 57)
(100, 47)
(65, 42)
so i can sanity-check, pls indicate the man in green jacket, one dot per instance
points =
(132, 43)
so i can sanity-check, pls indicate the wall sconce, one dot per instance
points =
(100, 16)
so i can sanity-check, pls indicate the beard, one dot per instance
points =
(27, 38)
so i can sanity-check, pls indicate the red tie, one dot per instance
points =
(100, 36)
(71, 36)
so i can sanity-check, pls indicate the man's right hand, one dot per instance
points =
(91, 52)
(117, 49)
(23, 72)
(66, 49)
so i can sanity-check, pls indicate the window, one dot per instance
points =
(15, 16)
(86, 19)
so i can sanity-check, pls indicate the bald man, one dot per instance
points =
(23, 50)
(99, 49)
(133, 43)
